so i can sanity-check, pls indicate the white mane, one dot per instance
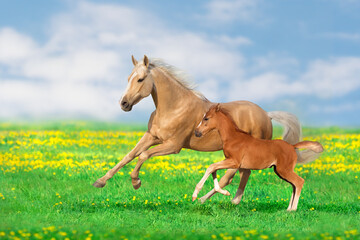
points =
(179, 76)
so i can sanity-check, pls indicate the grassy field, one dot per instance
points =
(46, 192)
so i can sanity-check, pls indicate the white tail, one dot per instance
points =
(292, 134)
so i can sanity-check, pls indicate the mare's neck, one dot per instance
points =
(167, 93)
(227, 127)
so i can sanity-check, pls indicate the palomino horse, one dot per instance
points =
(178, 109)
(242, 151)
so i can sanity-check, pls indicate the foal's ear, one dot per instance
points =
(217, 108)
(134, 60)
(146, 61)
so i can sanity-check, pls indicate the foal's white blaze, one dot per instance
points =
(201, 120)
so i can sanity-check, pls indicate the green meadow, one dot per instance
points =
(46, 192)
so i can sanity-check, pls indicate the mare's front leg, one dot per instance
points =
(166, 148)
(145, 142)
(225, 164)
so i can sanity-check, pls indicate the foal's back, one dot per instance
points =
(253, 153)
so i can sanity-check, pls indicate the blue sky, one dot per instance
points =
(70, 60)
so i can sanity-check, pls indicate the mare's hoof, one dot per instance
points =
(136, 183)
(235, 202)
(99, 184)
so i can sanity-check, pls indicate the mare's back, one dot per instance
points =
(250, 117)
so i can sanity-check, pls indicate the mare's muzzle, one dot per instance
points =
(125, 105)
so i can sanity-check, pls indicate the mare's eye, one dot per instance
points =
(141, 79)
(205, 118)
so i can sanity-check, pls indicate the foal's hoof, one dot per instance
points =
(136, 183)
(202, 200)
(222, 191)
(235, 201)
(99, 184)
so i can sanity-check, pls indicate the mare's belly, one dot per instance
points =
(207, 143)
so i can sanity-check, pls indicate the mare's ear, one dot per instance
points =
(134, 60)
(146, 61)
(217, 108)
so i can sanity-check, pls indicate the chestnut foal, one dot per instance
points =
(242, 151)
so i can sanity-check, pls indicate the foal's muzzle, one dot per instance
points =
(197, 133)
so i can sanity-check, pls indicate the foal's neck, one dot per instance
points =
(227, 127)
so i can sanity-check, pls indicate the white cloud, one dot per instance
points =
(235, 41)
(332, 78)
(343, 36)
(15, 47)
(78, 66)
(336, 108)
(274, 61)
(38, 100)
(325, 79)
(225, 11)
(267, 86)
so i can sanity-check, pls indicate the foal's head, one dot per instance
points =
(209, 121)
(140, 84)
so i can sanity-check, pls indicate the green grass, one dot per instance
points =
(31, 192)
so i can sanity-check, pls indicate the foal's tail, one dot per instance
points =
(292, 134)
(313, 146)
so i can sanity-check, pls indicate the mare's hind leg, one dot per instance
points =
(224, 181)
(297, 183)
(240, 192)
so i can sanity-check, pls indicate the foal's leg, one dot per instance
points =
(163, 149)
(297, 183)
(145, 142)
(292, 198)
(244, 179)
(227, 163)
(224, 181)
(217, 188)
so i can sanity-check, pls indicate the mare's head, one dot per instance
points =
(209, 121)
(140, 84)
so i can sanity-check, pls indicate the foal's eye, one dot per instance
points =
(206, 119)
(141, 79)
